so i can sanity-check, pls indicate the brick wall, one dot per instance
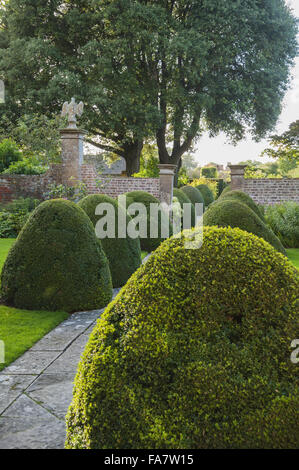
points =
(15, 186)
(272, 191)
(115, 185)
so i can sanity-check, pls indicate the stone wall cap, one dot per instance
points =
(237, 167)
(72, 131)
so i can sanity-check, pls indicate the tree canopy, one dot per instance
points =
(285, 147)
(168, 68)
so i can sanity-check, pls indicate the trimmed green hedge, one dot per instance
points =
(245, 199)
(193, 194)
(232, 213)
(149, 244)
(183, 199)
(194, 353)
(57, 262)
(206, 193)
(124, 254)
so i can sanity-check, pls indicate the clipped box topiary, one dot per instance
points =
(194, 352)
(149, 243)
(194, 195)
(57, 262)
(232, 213)
(240, 196)
(183, 199)
(124, 254)
(206, 193)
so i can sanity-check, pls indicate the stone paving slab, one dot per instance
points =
(11, 387)
(48, 387)
(32, 433)
(36, 390)
(68, 361)
(32, 362)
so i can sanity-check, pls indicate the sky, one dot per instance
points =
(218, 150)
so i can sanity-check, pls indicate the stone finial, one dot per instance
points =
(71, 110)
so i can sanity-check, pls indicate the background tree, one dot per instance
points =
(285, 147)
(51, 51)
(166, 67)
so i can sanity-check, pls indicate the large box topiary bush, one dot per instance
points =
(194, 353)
(183, 199)
(57, 263)
(149, 243)
(124, 254)
(232, 213)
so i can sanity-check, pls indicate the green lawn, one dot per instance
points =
(293, 254)
(20, 329)
(143, 254)
(5, 245)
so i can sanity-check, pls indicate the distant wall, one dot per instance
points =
(116, 185)
(265, 190)
(272, 191)
(15, 186)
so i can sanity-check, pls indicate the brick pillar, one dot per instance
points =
(72, 155)
(237, 176)
(167, 173)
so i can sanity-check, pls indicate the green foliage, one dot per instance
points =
(194, 195)
(57, 263)
(283, 219)
(150, 244)
(25, 167)
(149, 162)
(37, 136)
(226, 190)
(245, 199)
(183, 177)
(209, 172)
(211, 183)
(221, 185)
(14, 215)
(285, 147)
(162, 69)
(183, 199)
(9, 153)
(11, 223)
(233, 213)
(194, 353)
(206, 193)
(71, 193)
(283, 167)
(124, 254)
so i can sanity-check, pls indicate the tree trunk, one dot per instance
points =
(176, 177)
(132, 153)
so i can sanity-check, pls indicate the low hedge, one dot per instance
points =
(232, 213)
(183, 199)
(245, 199)
(124, 254)
(147, 243)
(194, 353)
(194, 195)
(57, 262)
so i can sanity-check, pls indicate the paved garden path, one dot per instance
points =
(36, 390)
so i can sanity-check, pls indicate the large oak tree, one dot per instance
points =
(168, 68)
